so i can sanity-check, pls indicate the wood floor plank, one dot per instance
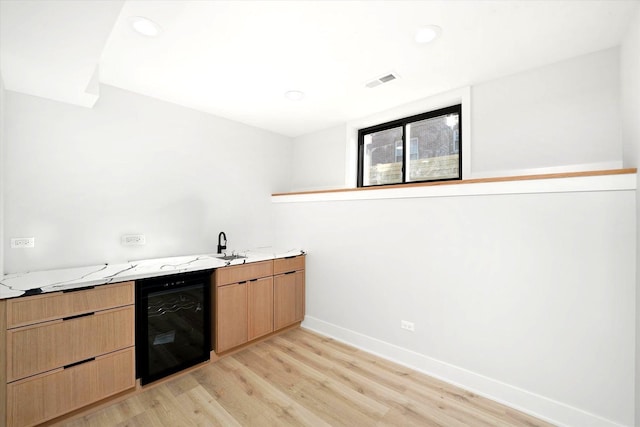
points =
(283, 403)
(427, 411)
(300, 378)
(182, 384)
(203, 409)
(455, 400)
(236, 395)
(417, 386)
(313, 389)
(164, 406)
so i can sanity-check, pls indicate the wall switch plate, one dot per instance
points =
(23, 242)
(409, 326)
(133, 240)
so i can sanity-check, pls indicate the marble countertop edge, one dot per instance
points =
(45, 281)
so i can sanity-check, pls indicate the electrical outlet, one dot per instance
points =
(133, 240)
(409, 326)
(23, 242)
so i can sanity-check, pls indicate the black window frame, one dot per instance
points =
(402, 123)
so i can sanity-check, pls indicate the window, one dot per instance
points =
(419, 148)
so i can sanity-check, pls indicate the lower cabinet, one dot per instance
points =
(49, 395)
(64, 351)
(288, 299)
(231, 316)
(50, 345)
(242, 304)
(288, 291)
(260, 307)
(251, 302)
(244, 311)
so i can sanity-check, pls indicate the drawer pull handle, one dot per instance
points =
(253, 280)
(86, 288)
(290, 257)
(71, 365)
(290, 272)
(78, 315)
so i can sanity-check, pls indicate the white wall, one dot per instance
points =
(564, 114)
(528, 298)
(318, 160)
(2, 168)
(630, 89)
(630, 92)
(77, 179)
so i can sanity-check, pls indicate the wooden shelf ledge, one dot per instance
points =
(469, 181)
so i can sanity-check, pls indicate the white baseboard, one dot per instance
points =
(533, 404)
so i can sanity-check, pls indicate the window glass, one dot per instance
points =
(424, 147)
(382, 160)
(434, 148)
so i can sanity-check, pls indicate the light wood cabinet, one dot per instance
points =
(41, 308)
(65, 350)
(260, 307)
(250, 302)
(243, 272)
(288, 264)
(288, 291)
(46, 396)
(45, 346)
(242, 307)
(231, 316)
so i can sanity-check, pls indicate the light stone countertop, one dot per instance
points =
(37, 282)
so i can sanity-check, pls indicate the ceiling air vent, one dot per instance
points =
(384, 79)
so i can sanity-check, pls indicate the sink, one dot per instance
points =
(230, 257)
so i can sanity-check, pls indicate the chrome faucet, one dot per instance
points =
(222, 242)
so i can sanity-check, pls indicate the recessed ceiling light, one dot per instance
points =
(427, 34)
(294, 95)
(145, 26)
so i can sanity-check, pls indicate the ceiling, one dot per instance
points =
(236, 59)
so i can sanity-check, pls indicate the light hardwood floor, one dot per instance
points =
(302, 379)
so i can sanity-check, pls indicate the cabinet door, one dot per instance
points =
(50, 345)
(288, 299)
(46, 396)
(231, 316)
(260, 307)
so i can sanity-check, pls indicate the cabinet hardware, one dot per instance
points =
(86, 288)
(290, 272)
(253, 280)
(78, 315)
(71, 365)
(290, 257)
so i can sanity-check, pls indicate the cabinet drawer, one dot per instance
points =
(35, 349)
(41, 308)
(241, 273)
(285, 265)
(43, 397)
